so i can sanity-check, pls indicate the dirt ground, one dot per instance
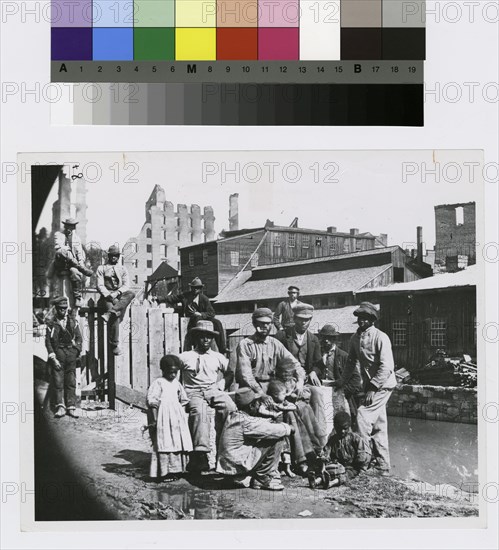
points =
(109, 456)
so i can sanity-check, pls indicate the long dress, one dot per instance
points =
(173, 442)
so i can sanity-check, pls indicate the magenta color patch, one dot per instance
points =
(278, 13)
(278, 44)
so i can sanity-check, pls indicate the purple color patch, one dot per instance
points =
(71, 13)
(278, 44)
(73, 44)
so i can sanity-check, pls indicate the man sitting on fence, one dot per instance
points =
(203, 373)
(112, 284)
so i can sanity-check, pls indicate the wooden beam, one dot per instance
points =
(131, 397)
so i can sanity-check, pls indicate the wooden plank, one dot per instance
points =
(184, 321)
(156, 336)
(122, 362)
(171, 332)
(101, 352)
(111, 376)
(131, 397)
(140, 375)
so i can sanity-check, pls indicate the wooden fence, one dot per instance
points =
(146, 334)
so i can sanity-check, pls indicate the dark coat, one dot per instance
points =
(57, 337)
(189, 306)
(353, 385)
(286, 337)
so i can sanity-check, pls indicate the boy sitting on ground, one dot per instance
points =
(346, 452)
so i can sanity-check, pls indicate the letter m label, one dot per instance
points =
(191, 69)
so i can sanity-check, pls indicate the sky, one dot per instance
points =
(377, 191)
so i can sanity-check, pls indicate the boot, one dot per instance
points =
(60, 412)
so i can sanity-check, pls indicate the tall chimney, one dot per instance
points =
(234, 212)
(419, 256)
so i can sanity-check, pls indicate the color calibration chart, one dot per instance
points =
(240, 62)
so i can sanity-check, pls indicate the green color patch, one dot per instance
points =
(154, 44)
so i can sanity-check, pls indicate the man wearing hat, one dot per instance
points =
(115, 295)
(371, 349)
(69, 259)
(258, 356)
(64, 343)
(197, 306)
(305, 347)
(332, 365)
(283, 315)
(250, 447)
(203, 373)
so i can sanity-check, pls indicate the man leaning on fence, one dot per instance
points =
(112, 284)
(64, 343)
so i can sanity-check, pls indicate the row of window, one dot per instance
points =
(165, 235)
(306, 241)
(438, 333)
(163, 251)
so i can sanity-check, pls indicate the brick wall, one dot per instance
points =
(452, 239)
(448, 404)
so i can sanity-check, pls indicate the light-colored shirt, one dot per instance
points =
(72, 248)
(202, 371)
(372, 350)
(111, 278)
(257, 361)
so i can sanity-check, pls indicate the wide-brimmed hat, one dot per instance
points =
(306, 311)
(366, 308)
(328, 330)
(196, 283)
(70, 221)
(203, 327)
(244, 396)
(262, 313)
(113, 250)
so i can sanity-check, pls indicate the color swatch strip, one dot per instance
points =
(243, 105)
(220, 30)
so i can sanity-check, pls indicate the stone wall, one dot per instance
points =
(448, 404)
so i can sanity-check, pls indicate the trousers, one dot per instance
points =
(372, 425)
(118, 308)
(64, 380)
(267, 467)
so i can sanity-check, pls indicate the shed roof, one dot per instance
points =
(348, 280)
(466, 277)
(163, 271)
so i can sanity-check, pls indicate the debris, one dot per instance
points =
(305, 513)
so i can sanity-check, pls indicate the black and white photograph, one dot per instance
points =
(209, 346)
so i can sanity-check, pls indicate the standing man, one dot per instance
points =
(371, 349)
(251, 447)
(332, 366)
(202, 371)
(115, 295)
(197, 306)
(283, 316)
(69, 259)
(259, 355)
(305, 347)
(64, 343)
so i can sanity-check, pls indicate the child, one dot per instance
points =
(169, 429)
(277, 390)
(347, 453)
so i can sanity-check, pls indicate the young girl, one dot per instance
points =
(169, 428)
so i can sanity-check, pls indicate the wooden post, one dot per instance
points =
(111, 377)
(156, 336)
(139, 380)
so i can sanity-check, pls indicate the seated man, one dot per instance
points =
(250, 447)
(202, 370)
(197, 306)
(112, 284)
(69, 261)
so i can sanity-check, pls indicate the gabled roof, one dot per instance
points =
(348, 280)
(466, 277)
(163, 271)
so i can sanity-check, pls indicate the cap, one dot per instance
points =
(70, 221)
(261, 314)
(60, 301)
(366, 308)
(244, 396)
(291, 288)
(113, 250)
(203, 327)
(306, 311)
(196, 283)
(328, 330)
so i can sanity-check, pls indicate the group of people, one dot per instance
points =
(274, 423)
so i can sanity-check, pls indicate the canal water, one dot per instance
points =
(434, 452)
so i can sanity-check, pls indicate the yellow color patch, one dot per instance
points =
(195, 44)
